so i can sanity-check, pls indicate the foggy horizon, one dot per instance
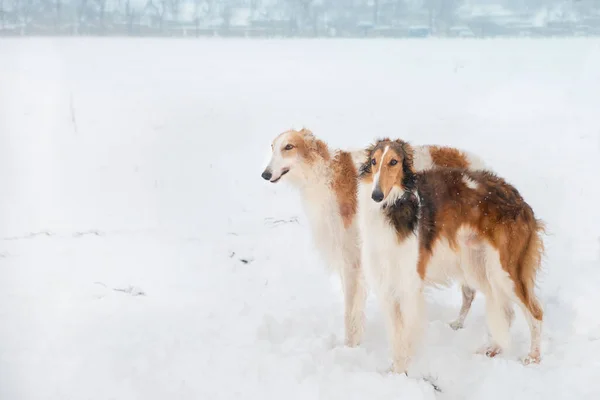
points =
(301, 18)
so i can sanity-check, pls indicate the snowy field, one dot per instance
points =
(143, 257)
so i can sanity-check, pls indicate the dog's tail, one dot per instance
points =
(475, 162)
(359, 157)
(529, 264)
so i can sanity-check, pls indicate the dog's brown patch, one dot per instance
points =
(448, 157)
(345, 186)
(495, 211)
(403, 215)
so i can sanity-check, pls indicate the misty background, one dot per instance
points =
(302, 18)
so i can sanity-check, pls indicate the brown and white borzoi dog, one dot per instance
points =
(441, 225)
(327, 180)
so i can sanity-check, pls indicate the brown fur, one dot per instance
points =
(344, 185)
(448, 157)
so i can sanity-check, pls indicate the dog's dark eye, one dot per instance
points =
(373, 162)
(393, 162)
(288, 147)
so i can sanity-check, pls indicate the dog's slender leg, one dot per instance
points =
(510, 313)
(468, 295)
(535, 329)
(405, 325)
(498, 320)
(395, 334)
(354, 302)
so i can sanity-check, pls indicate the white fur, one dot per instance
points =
(340, 248)
(422, 158)
(474, 161)
(477, 265)
(471, 184)
(358, 157)
(338, 245)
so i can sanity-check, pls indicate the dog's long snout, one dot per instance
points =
(266, 175)
(377, 195)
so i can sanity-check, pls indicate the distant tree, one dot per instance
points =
(57, 18)
(102, 14)
(202, 10)
(447, 11)
(2, 15)
(300, 12)
(400, 7)
(197, 8)
(81, 15)
(442, 14)
(227, 14)
(375, 12)
(27, 12)
(15, 10)
(130, 16)
(174, 5)
(160, 9)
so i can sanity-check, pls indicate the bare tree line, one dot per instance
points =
(283, 17)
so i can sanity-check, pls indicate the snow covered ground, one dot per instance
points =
(143, 257)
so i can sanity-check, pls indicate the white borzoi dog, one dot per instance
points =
(443, 225)
(327, 180)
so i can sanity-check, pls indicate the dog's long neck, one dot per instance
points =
(317, 175)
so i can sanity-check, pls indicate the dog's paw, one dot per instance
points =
(531, 359)
(352, 339)
(490, 351)
(456, 325)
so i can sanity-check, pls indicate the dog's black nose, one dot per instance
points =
(377, 196)
(267, 175)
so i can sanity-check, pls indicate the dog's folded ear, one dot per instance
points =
(306, 132)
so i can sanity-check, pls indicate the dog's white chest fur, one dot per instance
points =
(390, 265)
(336, 243)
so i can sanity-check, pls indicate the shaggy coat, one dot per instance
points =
(442, 225)
(327, 180)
